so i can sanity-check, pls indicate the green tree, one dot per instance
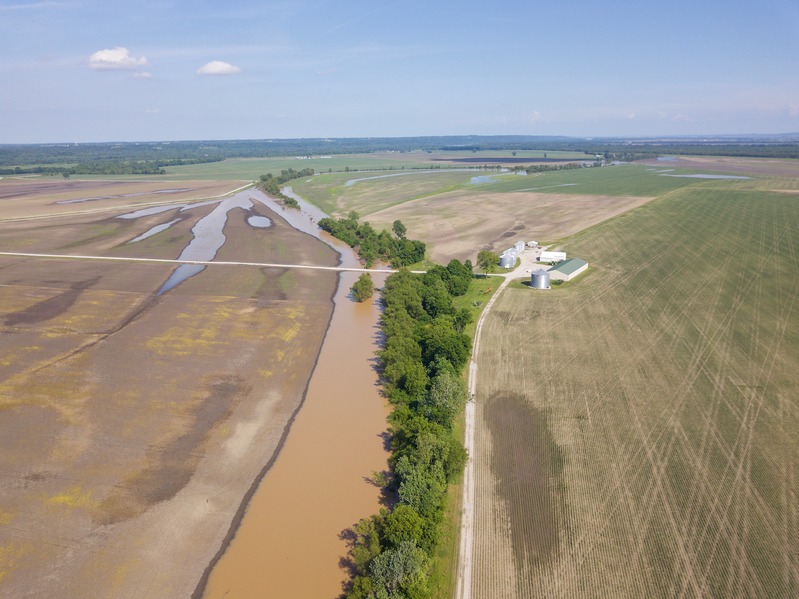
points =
(441, 340)
(399, 229)
(487, 261)
(400, 572)
(402, 525)
(363, 288)
(446, 398)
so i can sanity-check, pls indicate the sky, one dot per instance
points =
(93, 71)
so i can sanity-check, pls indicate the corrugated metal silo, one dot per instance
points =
(519, 247)
(507, 260)
(539, 279)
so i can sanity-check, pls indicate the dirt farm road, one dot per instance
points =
(464, 582)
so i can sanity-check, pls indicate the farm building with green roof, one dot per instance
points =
(568, 269)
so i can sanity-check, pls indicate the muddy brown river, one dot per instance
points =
(289, 542)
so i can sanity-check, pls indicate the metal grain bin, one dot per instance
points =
(539, 279)
(507, 260)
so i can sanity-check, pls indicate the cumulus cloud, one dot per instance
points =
(116, 59)
(217, 67)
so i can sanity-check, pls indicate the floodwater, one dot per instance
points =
(289, 542)
(706, 176)
(208, 238)
(154, 230)
(259, 222)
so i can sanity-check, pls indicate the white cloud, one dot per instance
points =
(116, 59)
(35, 6)
(143, 75)
(217, 67)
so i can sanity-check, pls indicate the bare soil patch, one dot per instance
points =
(461, 223)
(29, 198)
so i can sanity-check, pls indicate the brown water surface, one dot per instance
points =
(288, 543)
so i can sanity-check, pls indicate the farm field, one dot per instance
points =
(252, 168)
(458, 213)
(123, 409)
(636, 435)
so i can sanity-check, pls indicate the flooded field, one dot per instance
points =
(134, 424)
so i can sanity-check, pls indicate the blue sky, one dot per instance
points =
(86, 70)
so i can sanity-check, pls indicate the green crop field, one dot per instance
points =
(637, 433)
(371, 192)
(626, 179)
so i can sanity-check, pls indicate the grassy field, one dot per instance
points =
(637, 434)
(367, 193)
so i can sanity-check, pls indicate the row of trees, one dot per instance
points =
(422, 363)
(16, 155)
(371, 245)
(545, 168)
(271, 184)
(107, 167)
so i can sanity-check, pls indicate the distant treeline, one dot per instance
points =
(33, 155)
(371, 245)
(544, 168)
(628, 153)
(422, 361)
(271, 184)
(107, 167)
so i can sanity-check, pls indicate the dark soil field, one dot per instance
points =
(133, 424)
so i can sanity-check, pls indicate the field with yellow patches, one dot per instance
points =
(121, 411)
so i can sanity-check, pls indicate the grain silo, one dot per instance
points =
(519, 247)
(539, 279)
(507, 260)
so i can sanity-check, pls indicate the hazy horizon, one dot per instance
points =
(90, 71)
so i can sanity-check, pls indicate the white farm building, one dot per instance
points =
(551, 256)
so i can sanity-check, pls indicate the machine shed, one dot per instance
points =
(568, 269)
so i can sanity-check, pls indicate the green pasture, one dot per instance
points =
(625, 180)
(369, 192)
